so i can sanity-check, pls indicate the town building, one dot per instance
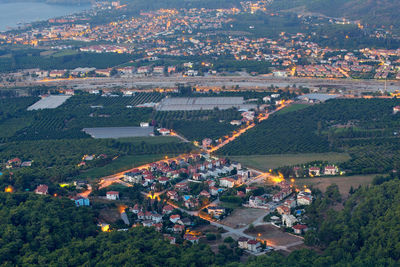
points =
(288, 220)
(81, 201)
(112, 195)
(314, 171)
(42, 189)
(330, 170)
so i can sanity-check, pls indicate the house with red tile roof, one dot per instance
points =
(299, 228)
(174, 218)
(178, 228)
(167, 209)
(42, 189)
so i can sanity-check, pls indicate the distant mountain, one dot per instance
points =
(373, 12)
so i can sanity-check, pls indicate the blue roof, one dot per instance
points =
(187, 197)
(1, 173)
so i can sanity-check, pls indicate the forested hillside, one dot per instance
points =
(45, 231)
(36, 230)
(375, 13)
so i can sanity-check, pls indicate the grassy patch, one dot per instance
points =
(68, 52)
(291, 108)
(121, 164)
(230, 205)
(344, 182)
(11, 126)
(266, 162)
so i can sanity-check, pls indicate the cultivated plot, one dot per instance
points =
(266, 162)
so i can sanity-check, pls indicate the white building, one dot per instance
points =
(227, 182)
(288, 220)
(304, 200)
(330, 170)
(112, 195)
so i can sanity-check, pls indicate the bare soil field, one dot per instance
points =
(243, 216)
(109, 215)
(344, 182)
(274, 236)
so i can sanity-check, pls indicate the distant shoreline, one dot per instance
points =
(50, 2)
(18, 13)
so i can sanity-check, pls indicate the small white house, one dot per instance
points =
(330, 170)
(254, 246)
(314, 171)
(227, 182)
(112, 195)
(288, 220)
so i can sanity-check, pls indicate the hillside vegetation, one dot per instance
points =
(42, 230)
(372, 12)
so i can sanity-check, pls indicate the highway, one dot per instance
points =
(244, 82)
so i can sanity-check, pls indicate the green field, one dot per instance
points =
(266, 162)
(121, 164)
(291, 108)
(9, 127)
(68, 52)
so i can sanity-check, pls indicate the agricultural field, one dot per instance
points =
(344, 182)
(365, 129)
(291, 108)
(243, 216)
(267, 162)
(136, 99)
(121, 164)
(55, 143)
(199, 124)
(78, 112)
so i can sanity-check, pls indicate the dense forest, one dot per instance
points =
(46, 231)
(365, 128)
